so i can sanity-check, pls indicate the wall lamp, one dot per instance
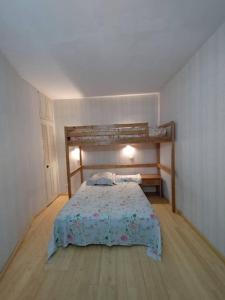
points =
(75, 154)
(129, 151)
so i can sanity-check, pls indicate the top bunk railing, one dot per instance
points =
(118, 134)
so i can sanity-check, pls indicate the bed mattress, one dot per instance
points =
(110, 215)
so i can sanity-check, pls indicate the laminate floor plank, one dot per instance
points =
(189, 268)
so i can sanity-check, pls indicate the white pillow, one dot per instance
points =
(128, 178)
(105, 178)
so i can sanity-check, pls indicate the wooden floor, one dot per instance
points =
(189, 268)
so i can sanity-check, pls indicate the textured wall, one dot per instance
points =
(106, 110)
(21, 158)
(165, 159)
(195, 99)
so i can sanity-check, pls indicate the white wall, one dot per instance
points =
(165, 159)
(195, 99)
(21, 158)
(105, 110)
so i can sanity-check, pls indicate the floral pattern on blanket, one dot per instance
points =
(109, 215)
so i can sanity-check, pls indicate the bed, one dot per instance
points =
(98, 136)
(110, 215)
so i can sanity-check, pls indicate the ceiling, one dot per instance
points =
(76, 48)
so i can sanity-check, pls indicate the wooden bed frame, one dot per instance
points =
(108, 135)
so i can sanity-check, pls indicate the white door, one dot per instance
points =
(50, 164)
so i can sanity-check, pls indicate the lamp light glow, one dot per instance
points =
(75, 154)
(129, 151)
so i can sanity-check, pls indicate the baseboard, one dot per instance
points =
(53, 201)
(62, 194)
(37, 214)
(167, 199)
(220, 255)
(19, 243)
(14, 252)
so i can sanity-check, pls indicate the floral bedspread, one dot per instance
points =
(109, 215)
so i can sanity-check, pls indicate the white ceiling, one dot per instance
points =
(78, 48)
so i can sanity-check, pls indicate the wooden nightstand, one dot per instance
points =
(152, 180)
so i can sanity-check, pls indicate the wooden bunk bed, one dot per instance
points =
(108, 135)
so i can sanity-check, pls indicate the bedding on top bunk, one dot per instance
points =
(157, 132)
(153, 132)
(110, 215)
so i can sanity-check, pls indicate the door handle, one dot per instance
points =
(47, 166)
